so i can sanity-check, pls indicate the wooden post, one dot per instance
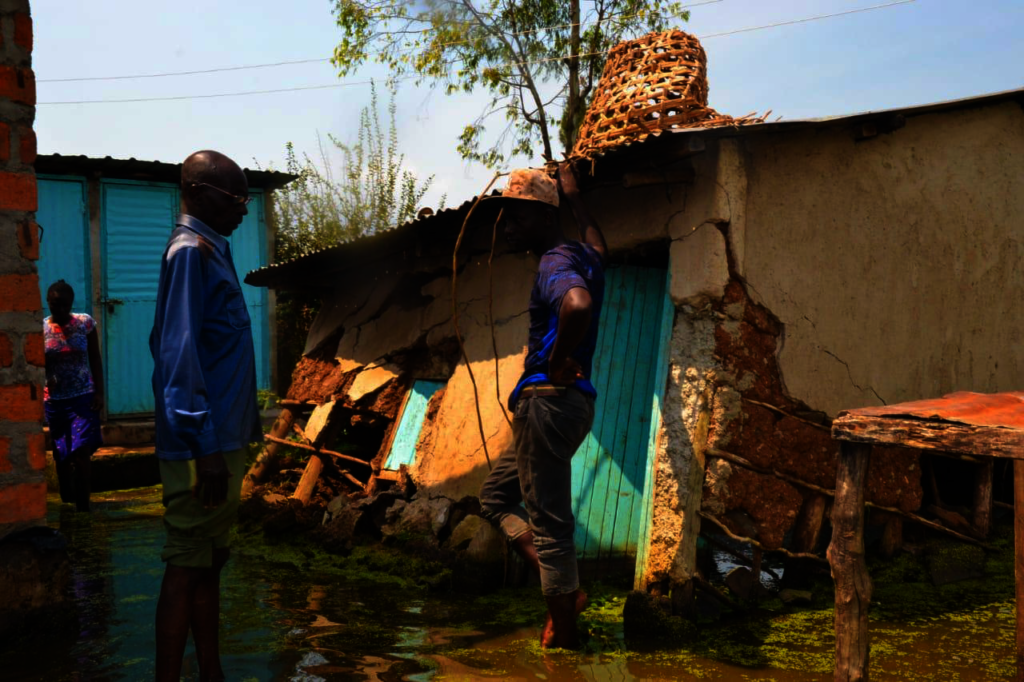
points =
(808, 524)
(1018, 558)
(282, 427)
(982, 520)
(304, 490)
(892, 536)
(849, 570)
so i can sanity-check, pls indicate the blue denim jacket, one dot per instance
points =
(204, 373)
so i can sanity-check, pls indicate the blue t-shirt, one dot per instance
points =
(564, 267)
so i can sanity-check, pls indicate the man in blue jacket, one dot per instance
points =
(204, 381)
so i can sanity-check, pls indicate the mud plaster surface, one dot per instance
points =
(746, 341)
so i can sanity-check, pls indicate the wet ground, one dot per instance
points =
(286, 617)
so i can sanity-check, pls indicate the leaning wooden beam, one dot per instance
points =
(282, 425)
(736, 459)
(303, 446)
(849, 569)
(754, 543)
(1003, 505)
(304, 490)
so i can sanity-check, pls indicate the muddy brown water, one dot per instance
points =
(281, 622)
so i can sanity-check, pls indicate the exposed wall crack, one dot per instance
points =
(850, 375)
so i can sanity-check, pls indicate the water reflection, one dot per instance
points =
(283, 623)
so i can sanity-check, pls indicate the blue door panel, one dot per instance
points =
(611, 468)
(137, 221)
(64, 249)
(403, 447)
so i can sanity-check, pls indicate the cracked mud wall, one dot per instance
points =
(894, 262)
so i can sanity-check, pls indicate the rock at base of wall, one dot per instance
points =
(741, 583)
(422, 520)
(34, 575)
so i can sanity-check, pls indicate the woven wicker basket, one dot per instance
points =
(654, 83)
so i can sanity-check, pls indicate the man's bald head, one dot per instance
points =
(212, 187)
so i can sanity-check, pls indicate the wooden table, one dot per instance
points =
(974, 424)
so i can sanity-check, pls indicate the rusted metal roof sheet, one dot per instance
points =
(138, 169)
(1005, 410)
(361, 250)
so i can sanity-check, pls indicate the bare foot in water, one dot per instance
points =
(547, 635)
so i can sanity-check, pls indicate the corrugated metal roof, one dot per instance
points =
(136, 169)
(787, 125)
(364, 249)
(277, 274)
(1004, 410)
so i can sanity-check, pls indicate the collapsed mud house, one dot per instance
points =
(763, 277)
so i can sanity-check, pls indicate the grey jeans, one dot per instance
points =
(547, 431)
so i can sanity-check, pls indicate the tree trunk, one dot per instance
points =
(849, 571)
(1018, 558)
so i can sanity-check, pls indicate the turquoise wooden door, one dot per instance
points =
(137, 221)
(249, 251)
(403, 447)
(64, 249)
(611, 468)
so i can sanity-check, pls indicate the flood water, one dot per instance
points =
(284, 622)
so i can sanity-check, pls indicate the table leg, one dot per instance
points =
(849, 570)
(1018, 558)
(982, 521)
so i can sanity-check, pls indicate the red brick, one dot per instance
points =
(27, 145)
(33, 349)
(23, 31)
(18, 84)
(28, 239)
(18, 192)
(37, 451)
(5, 455)
(19, 293)
(6, 351)
(21, 403)
(25, 502)
(5, 142)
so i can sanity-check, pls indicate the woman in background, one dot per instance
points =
(73, 395)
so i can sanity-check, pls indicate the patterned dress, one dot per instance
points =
(68, 394)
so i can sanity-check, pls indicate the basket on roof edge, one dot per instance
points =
(654, 83)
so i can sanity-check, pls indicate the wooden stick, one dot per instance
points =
(714, 591)
(303, 446)
(736, 459)
(259, 468)
(304, 490)
(892, 535)
(1003, 505)
(982, 520)
(1018, 560)
(849, 570)
(754, 543)
(736, 555)
(787, 414)
(807, 530)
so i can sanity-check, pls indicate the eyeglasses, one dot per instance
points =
(241, 201)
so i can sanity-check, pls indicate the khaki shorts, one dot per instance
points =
(192, 531)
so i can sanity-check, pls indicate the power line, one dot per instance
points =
(212, 96)
(506, 65)
(246, 67)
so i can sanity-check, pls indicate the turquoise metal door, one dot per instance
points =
(137, 221)
(611, 468)
(249, 251)
(64, 249)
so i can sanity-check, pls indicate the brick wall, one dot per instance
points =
(22, 488)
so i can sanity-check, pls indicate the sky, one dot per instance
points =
(913, 53)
